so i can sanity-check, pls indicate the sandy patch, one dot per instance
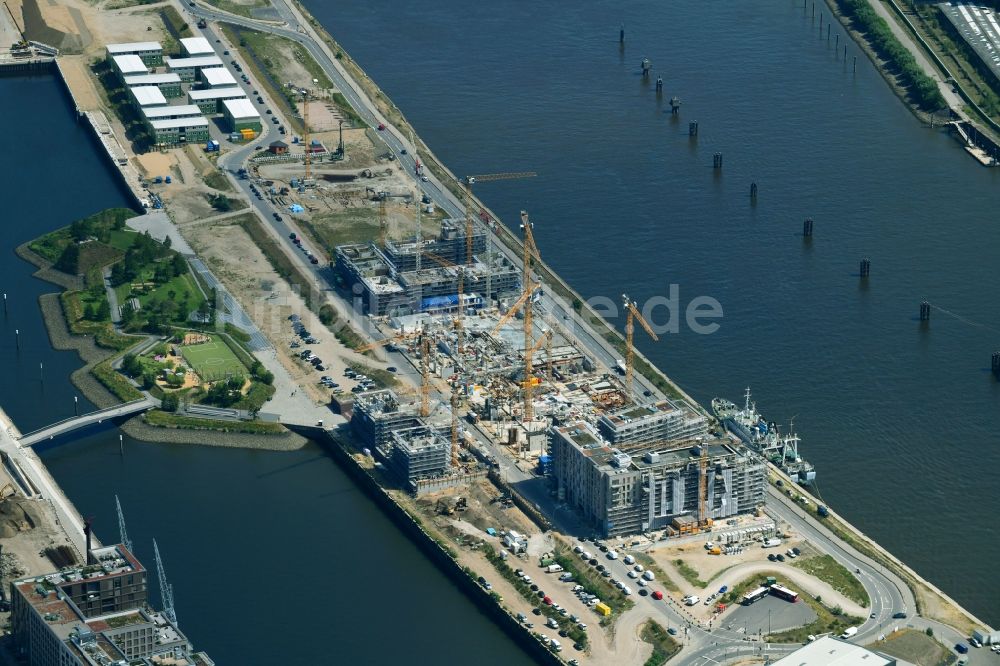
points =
(156, 164)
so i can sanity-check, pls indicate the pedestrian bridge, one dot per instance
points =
(84, 420)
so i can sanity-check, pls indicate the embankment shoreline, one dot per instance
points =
(91, 354)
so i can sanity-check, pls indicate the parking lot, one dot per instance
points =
(769, 615)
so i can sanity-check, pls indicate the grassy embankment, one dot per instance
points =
(176, 27)
(689, 573)
(664, 645)
(899, 61)
(239, 8)
(168, 420)
(828, 570)
(661, 576)
(915, 647)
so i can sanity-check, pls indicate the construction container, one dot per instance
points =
(603, 609)
(247, 133)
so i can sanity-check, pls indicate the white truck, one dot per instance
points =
(553, 568)
(648, 575)
(628, 559)
(620, 366)
(612, 555)
(849, 632)
(771, 543)
(692, 600)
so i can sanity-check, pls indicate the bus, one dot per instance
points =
(755, 595)
(784, 593)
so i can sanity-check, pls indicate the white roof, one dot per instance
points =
(130, 64)
(148, 96)
(183, 63)
(172, 123)
(240, 109)
(216, 93)
(134, 47)
(182, 111)
(195, 46)
(828, 651)
(218, 76)
(151, 79)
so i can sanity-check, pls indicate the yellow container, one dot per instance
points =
(603, 609)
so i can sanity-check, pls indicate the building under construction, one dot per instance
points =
(376, 414)
(415, 454)
(388, 283)
(623, 493)
(634, 426)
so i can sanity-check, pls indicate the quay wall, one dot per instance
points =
(340, 452)
(111, 146)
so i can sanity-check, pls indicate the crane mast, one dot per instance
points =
(632, 315)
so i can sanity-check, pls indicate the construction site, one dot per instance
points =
(499, 375)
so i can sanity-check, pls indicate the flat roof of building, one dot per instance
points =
(184, 63)
(240, 109)
(130, 64)
(134, 47)
(196, 46)
(829, 651)
(177, 123)
(181, 111)
(234, 92)
(148, 96)
(151, 79)
(218, 76)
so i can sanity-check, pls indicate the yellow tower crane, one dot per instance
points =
(530, 254)
(483, 178)
(633, 314)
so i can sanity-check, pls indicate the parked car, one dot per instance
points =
(391, 368)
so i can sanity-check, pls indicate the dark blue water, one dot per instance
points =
(901, 421)
(275, 558)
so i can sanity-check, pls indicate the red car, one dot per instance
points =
(657, 595)
(381, 126)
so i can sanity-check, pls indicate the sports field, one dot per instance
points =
(213, 361)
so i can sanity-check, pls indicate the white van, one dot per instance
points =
(693, 599)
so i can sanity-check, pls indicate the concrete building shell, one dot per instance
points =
(621, 494)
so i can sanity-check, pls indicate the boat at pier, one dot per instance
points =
(763, 436)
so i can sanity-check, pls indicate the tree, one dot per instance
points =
(89, 312)
(148, 380)
(179, 264)
(170, 402)
(81, 230)
(103, 310)
(131, 365)
(69, 260)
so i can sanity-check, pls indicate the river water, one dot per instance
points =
(275, 558)
(900, 420)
